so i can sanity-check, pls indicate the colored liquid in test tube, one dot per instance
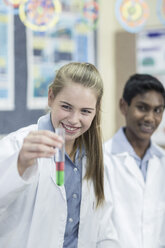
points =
(60, 159)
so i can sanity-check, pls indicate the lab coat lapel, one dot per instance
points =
(133, 168)
(85, 190)
(154, 167)
(52, 167)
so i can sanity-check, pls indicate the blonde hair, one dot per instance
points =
(87, 75)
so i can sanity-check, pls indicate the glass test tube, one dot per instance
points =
(60, 158)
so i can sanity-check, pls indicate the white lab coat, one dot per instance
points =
(139, 207)
(33, 209)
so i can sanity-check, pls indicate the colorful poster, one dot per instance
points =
(70, 40)
(150, 59)
(132, 14)
(39, 15)
(6, 60)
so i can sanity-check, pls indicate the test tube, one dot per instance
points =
(60, 158)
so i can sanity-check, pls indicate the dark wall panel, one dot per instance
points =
(21, 116)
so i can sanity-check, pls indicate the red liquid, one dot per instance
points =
(59, 166)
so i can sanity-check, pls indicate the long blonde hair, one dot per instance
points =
(87, 75)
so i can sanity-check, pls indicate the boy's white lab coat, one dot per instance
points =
(33, 209)
(139, 207)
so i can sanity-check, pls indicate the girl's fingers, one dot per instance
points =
(38, 148)
(44, 137)
(38, 144)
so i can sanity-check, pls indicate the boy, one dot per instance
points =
(135, 164)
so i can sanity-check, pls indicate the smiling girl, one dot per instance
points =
(35, 211)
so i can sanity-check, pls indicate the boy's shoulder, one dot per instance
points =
(107, 146)
(114, 139)
(160, 149)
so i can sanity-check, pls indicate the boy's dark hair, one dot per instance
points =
(140, 84)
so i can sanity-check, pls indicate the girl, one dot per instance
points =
(34, 210)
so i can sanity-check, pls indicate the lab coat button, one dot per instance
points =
(70, 220)
(75, 169)
(75, 196)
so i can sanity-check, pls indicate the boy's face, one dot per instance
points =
(143, 115)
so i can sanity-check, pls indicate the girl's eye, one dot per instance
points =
(86, 111)
(66, 107)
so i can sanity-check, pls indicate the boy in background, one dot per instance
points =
(136, 167)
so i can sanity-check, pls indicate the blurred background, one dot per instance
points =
(120, 37)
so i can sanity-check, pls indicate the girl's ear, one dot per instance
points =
(50, 97)
(123, 106)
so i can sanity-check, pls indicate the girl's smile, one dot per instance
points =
(70, 129)
(74, 109)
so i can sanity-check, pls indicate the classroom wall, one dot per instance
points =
(108, 27)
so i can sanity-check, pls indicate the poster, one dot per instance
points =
(150, 59)
(6, 59)
(132, 15)
(70, 40)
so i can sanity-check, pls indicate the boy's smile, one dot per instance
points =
(143, 115)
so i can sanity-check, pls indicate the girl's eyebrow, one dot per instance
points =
(72, 105)
(89, 108)
(66, 103)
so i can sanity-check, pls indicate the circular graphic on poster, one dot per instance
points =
(132, 14)
(161, 11)
(40, 15)
(91, 14)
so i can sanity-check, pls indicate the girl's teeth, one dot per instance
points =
(70, 128)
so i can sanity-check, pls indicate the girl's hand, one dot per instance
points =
(37, 144)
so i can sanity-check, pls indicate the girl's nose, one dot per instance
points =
(74, 118)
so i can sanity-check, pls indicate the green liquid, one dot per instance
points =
(60, 178)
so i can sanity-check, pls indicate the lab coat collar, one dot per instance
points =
(123, 149)
(130, 164)
(121, 145)
(44, 123)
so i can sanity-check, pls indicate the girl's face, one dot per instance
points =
(74, 109)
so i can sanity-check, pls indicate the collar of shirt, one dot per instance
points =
(120, 144)
(44, 123)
